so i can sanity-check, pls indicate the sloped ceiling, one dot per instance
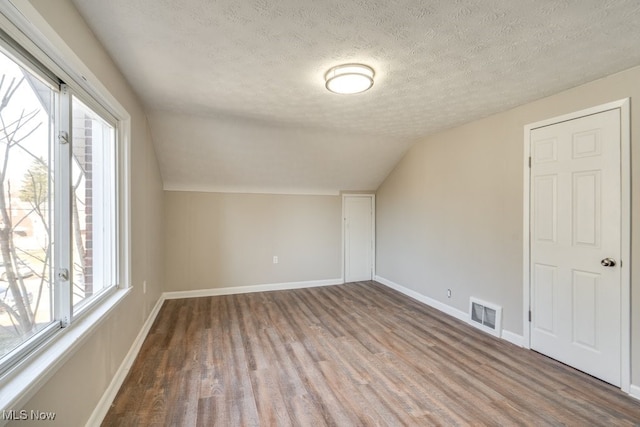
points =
(235, 95)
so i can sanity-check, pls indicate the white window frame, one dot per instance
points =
(63, 250)
(20, 21)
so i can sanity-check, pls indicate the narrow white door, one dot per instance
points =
(576, 243)
(358, 237)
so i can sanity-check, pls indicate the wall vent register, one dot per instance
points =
(485, 316)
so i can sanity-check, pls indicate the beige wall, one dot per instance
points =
(74, 391)
(450, 214)
(216, 240)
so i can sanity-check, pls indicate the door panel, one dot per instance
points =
(586, 208)
(544, 278)
(585, 308)
(545, 213)
(575, 223)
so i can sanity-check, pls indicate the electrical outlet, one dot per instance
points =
(144, 287)
(275, 259)
(448, 293)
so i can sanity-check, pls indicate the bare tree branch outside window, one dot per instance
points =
(26, 206)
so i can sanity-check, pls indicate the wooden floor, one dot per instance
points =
(355, 354)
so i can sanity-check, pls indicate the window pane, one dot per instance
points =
(94, 204)
(26, 129)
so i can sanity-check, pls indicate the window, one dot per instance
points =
(93, 204)
(59, 205)
(26, 124)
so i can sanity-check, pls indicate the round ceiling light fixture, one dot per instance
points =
(349, 78)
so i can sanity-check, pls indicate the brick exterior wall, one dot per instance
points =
(82, 153)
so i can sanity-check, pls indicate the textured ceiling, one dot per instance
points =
(235, 93)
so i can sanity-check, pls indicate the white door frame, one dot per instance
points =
(373, 231)
(625, 224)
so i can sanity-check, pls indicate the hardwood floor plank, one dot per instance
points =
(358, 354)
(272, 409)
(348, 394)
(333, 413)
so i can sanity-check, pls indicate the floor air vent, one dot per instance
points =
(486, 316)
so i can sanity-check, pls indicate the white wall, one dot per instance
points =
(450, 213)
(74, 391)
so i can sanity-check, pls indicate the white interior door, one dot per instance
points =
(575, 238)
(358, 237)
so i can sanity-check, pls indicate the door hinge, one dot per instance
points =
(529, 162)
(63, 137)
(529, 315)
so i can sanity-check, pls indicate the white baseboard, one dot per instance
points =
(634, 391)
(249, 289)
(109, 395)
(451, 311)
(513, 338)
(447, 309)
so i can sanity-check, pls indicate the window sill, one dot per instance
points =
(22, 382)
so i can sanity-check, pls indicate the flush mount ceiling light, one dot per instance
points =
(349, 78)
